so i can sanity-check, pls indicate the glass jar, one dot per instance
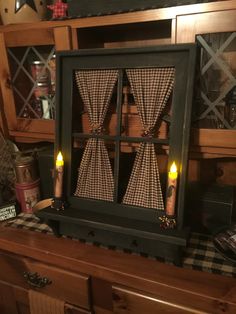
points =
(39, 72)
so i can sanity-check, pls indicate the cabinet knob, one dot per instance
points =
(8, 83)
(219, 172)
(35, 280)
(223, 306)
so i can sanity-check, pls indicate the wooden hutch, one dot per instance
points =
(96, 280)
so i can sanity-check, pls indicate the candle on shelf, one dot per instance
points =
(58, 186)
(171, 190)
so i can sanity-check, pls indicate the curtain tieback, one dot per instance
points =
(97, 129)
(148, 132)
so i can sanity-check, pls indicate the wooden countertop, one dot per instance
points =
(130, 270)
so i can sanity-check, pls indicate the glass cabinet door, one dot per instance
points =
(32, 71)
(214, 119)
(216, 103)
(28, 69)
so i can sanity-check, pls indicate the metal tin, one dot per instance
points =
(28, 195)
(25, 168)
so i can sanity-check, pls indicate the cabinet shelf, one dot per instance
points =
(125, 35)
(178, 24)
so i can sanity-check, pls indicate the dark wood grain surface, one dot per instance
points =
(188, 287)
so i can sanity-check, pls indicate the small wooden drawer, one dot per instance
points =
(70, 309)
(65, 285)
(128, 301)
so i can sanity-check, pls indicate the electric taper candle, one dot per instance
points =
(171, 190)
(58, 186)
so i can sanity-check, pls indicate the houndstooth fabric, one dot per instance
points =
(151, 89)
(95, 178)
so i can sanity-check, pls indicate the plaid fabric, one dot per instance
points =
(59, 9)
(95, 178)
(144, 187)
(151, 89)
(200, 253)
(28, 222)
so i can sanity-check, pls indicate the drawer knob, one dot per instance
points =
(34, 280)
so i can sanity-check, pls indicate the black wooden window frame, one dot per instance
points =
(182, 58)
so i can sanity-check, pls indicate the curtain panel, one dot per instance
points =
(95, 178)
(151, 88)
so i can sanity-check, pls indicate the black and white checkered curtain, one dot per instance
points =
(151, 89)
(95, 178)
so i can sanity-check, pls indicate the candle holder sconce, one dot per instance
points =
(58, 203)
(167, 222)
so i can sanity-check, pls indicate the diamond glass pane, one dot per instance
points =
(215, 105)
(33, 81)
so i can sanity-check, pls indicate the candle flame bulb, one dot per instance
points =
(173, 174)
(59, 161)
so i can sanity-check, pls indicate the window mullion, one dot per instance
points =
(118, 134)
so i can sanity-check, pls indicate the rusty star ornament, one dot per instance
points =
(20, 3)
